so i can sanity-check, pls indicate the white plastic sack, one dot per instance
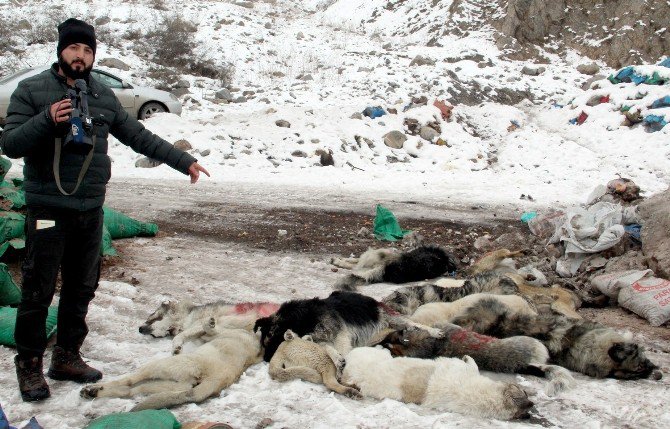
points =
(639, 292)
(610, 284)
(587, 231)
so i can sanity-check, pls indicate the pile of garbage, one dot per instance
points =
(639, 94)
(604, 243)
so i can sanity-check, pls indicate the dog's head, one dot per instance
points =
(516, 402)
(167, 319)
(629, 362)
(293, 315)
(411, 342)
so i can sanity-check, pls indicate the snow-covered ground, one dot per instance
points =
(358, 54)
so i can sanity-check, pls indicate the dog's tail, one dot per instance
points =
(196, 395)
(349, 283)
(559, 378)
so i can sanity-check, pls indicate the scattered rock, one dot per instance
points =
(24, 24)
(147, 163)
(357, 115)
(388, 46)
(114, 63)
(589, 69)
(182, 83)
(299, 154)
(102, 20)
(182, 144)
(300, 35)
(427, 133)
(365, 69)
(655, 214)
(587, 85)
(422, 61)
(532, 70)
(264, 423)
(326, 158)
(224, 94)
(245, 4)
(178, 92)
(305, 77)
(205, 152)
(395, 139)
(240, 99)
(268, 25)
(282, 123)
(363, 233)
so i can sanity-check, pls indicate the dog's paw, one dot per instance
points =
(435, 332)
(352, 393)
(90, 391)
(211, 323)
(176, 350)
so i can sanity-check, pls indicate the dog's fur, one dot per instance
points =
(579, 345)
(406, 300)
(190, 377)
(556, 298)
(185, 320)
(519, 354)
(304, 359)
(437, 312)
(389, 265)
(446, 384)
(344, 320)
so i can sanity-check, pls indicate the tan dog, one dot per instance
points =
(190, 377)
(304, 359)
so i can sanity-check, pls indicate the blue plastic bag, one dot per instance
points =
(374, 112)
(665, 62)
(661, 102)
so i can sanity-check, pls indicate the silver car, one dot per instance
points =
(140, 102)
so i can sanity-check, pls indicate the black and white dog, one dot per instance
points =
(344, 320)
(392, 266)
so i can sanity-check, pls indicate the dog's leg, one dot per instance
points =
(181, 338)
(331, 382)
(350, 283)
(346, 263)
(197, 394)
(337, 358)
(559, 378)
(279, 373)
(399, 323)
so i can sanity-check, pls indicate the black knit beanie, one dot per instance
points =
(75, 31)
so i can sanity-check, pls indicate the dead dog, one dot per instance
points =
(522, 355)
(392, 266)
(579, 345)
(185, 320)
(406, 300)
(446, 384)
(304, 359)
(190, 377)
(438, 312)
(344, 320)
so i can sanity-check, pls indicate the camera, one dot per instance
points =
(78, 138)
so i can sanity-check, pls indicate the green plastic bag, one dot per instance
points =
(5, 165)
(121, 226)
(11, 226)
(14, 243)
(11, 197)
(154, 419)
(10, 294)
(8, 322)
(386, 226)
(106, 248)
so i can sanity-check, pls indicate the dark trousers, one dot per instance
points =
(65, 239)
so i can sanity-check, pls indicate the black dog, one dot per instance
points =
(344, 320)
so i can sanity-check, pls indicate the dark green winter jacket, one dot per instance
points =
(30, 133)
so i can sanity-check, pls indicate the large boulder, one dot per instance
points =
(655, 214)
(113, 63)
(395, 139)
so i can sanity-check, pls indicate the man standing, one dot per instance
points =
(65, 190)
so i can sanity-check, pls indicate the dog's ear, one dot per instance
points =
(289, 335)
(620, 351)
(308, 338)
(263, 324)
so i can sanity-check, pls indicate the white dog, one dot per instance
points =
(446, 384)
(191, 377)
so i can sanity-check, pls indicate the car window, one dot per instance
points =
(108, 80)
(14, 76)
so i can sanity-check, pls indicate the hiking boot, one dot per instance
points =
(32, 384)
(68, 365)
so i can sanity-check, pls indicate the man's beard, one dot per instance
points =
(71, 72)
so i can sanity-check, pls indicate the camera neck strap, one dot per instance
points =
(82, 172)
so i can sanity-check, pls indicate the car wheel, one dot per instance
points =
(150, 108)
